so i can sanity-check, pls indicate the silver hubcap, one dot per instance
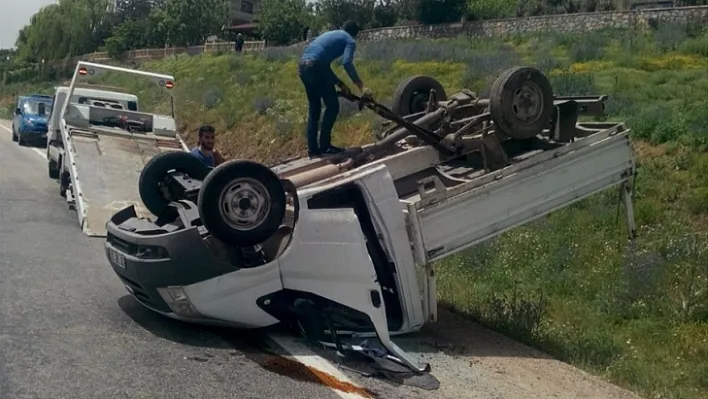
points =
(244, 204)
(527, 102)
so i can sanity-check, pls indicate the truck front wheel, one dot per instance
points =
(242, 203)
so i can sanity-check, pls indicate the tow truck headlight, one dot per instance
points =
(178, 301)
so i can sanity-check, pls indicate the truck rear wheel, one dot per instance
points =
(521, 102)
(156, 171)
(64, 180)
(242, 203)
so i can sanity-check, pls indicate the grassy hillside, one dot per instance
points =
(571, 284)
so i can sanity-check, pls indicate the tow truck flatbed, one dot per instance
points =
(99, 143)
(106, 165)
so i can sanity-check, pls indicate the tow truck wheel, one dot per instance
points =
(411, 95)
(521, 102)
(64, 180)
(242, 203)
(53, 169)
(156, 171)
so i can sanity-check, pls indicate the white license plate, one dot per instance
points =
(116, 258)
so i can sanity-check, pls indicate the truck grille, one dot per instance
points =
(122, 245)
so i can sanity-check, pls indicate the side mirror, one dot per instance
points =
(18, 111)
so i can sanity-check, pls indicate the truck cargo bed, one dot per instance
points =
(445, 220)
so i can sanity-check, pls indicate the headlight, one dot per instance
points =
(177, 300)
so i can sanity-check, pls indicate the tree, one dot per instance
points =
(384, 15)
(491, 9)
(440, 11)
(139, 24)
(336, 12)
(282, 22)
(71, 27)
(135, 10)
(190, 22)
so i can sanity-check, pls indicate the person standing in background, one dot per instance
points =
(239, 42)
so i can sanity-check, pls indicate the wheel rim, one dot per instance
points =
(527, 102)
(419, 101)
(244, 204)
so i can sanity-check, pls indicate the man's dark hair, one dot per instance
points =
(205, 129)
(351, 27)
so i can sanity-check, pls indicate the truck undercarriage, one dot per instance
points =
(345, 245)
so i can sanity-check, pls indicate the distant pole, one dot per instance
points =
(7, 67)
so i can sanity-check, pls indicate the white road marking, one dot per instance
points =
(303, 354)
(298, 351)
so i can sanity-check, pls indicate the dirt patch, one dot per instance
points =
(473, 362)
(646, 150)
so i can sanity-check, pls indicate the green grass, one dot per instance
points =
(571, 283)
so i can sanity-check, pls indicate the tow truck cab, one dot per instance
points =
(86, 96)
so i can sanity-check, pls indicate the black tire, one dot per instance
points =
(64, 181)
(53, 169)
(508, 90)
(155, 171)
(14, 137)
(411, 95)
(264, 189)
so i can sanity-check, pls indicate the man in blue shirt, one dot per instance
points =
(320, 81)
(204, 151)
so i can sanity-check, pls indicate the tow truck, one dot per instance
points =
(99, 140)
(346, 246)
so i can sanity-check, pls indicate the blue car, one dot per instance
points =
(29, 125)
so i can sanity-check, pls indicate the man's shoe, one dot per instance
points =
(333, 150)
(314, 155)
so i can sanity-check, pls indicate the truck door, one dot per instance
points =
(328, 257)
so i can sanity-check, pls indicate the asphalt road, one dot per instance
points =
(68, 329)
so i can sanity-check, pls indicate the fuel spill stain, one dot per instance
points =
(298, 371)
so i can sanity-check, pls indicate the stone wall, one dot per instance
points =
(582, 22)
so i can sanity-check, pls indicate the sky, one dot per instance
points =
(14, 14)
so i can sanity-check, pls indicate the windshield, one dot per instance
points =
(40, 108)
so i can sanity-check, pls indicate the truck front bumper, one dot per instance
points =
(154, 267)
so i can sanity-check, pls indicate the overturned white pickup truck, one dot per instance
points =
(99, 140)
(352, 239)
